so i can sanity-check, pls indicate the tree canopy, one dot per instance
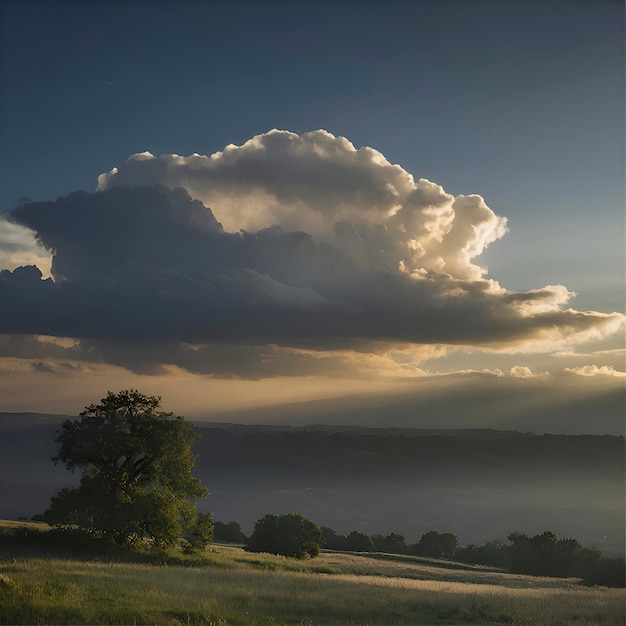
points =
(136, 463)
(435, 544)
(290, 534)
(229, 532)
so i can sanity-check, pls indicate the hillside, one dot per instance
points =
(62, 584)
(479, 484)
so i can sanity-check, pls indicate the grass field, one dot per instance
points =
(226, 585)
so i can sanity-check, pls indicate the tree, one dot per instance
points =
(490, 553)
(229, 533)
(547, 555)
(290, 534)
(435, 544)
(358, 541)
(200, 534)
(393, 543)
(332, 539)
(136, 462)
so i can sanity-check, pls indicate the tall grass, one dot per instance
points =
(226, 586)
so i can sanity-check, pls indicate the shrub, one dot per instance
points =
(358, 541)
(290, 534)
(229, 533)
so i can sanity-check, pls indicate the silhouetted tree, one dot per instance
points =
(547, 555)
(358, 541)
(436, 545)
(290, 534)
(491, 553)
(392, 543)
(605, 571)
(136, 462)
(333, 540)
(229, 533)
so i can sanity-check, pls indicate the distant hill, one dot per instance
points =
(24, 421)
(517, 405)
(480, 484)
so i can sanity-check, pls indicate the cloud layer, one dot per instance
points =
(312, 253)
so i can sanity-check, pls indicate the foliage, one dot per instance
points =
(332, 539)
(229, 532)
(547, 555)
(290, 534)
(358, 541)
(435, 545)
(200, 534)
(491, 553)
(136, 462)
(392, 543)
(606, 571)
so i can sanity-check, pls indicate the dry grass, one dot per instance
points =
(229, 586)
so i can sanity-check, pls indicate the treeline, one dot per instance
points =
(541, 555)
(544, 554)
(432, 544)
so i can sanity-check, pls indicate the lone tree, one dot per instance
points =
(290, 534)
(136, 462)
(435, 545)
(358, 541)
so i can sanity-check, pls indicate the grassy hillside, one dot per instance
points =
(226, 585)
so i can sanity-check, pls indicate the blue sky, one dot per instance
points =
(520, 102)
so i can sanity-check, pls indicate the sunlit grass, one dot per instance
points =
(228, 586)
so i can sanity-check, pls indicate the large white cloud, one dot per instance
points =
(311, 251)
(323, 185)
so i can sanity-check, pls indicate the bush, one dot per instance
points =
(290, 534)
(490, 553)
(436, 545)
(229, 533)
(333, 540)
(607, 572)
(358, 541)
(392, 543)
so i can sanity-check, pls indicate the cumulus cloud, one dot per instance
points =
(523, 371)
(594, 370)
(321, 184)
(314, 257)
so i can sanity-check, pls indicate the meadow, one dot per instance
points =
(226, 585)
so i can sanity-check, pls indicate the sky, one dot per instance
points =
(290, 210)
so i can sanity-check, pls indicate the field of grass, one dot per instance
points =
(226, 585)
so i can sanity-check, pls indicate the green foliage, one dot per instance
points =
(136, 462)
(333, 540)
(358, 541)
(605, 571)
(547, 555)
(490, 553)
(229, 533)
(290, 534)
(435, 545)
(201, 534)
(393, 543)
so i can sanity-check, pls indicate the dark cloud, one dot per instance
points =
(151, 265)
(343, 253)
